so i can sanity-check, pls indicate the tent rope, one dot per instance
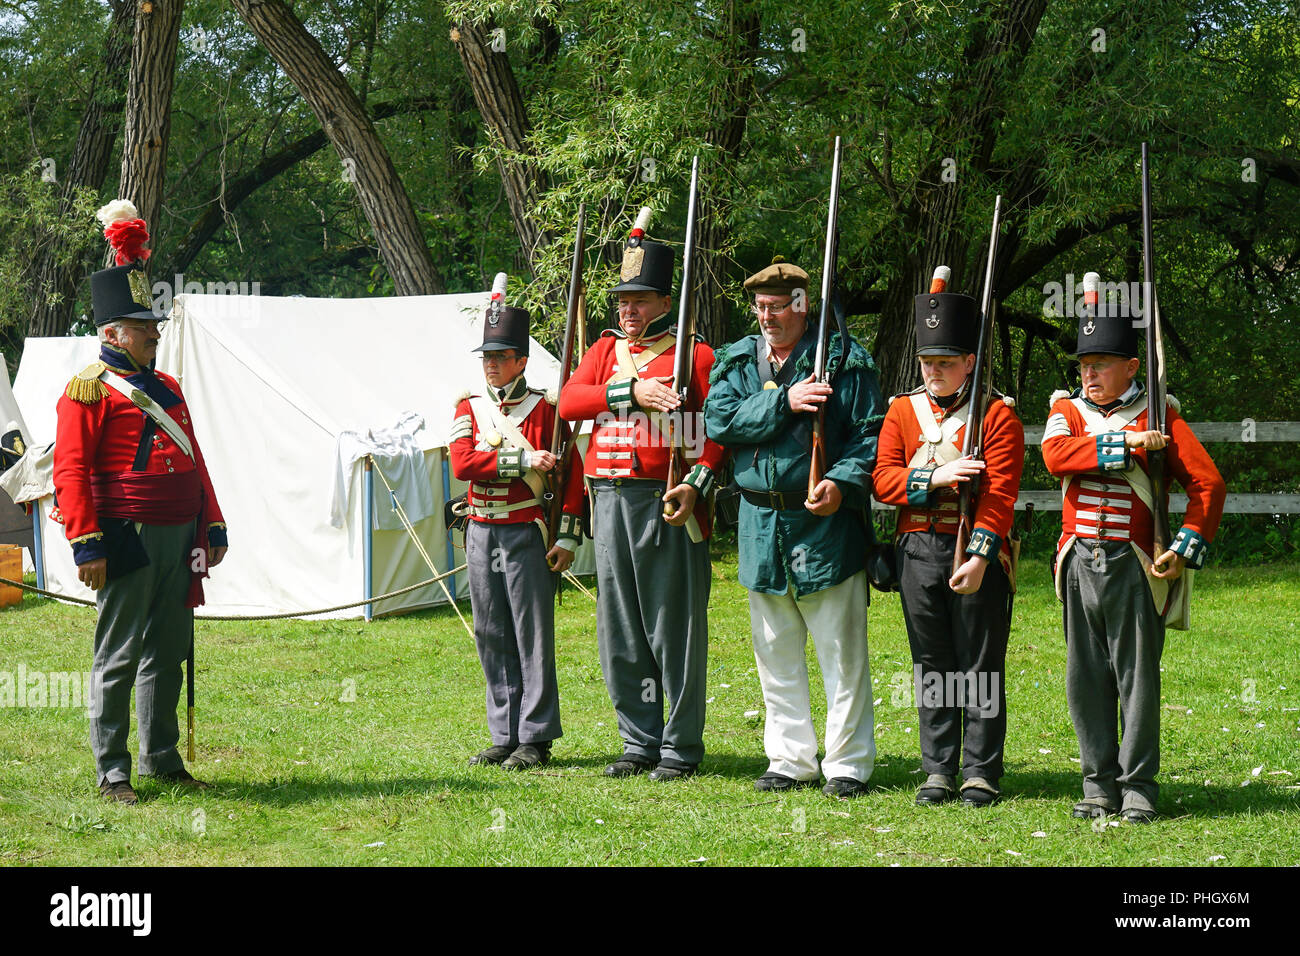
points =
(410, 529)
(573, 579)
(253, 617)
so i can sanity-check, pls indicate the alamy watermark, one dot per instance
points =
(1067, 300)
(32, 688)
(977, 690)
(240, 300)
(685, 429)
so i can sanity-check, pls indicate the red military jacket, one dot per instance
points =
(1098, 503)
(625, 441)
(109, 435)
(498, 491)
(900, 481)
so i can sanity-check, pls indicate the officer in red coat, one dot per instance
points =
(957, 624)
(1118, 597)
(139, 508)
(652, 553)
(500, 443)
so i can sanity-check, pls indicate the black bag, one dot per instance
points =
(123, 551)
(726, 507)
(882, 567)
(455, 513)
(882, 557)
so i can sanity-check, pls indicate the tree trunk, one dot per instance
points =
(56, 270)
(729, 104)
(499, 102)
(149, 106)
(366, 162)
(230, 195)
(967, 135)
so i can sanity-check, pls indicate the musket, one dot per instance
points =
(981, 393)
(189, 703)
(817, 467)
(1155, 375)
(553, 495)
(684, 357)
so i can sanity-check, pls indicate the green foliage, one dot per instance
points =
(45, 222)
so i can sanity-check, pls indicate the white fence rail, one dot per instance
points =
(1246, 431)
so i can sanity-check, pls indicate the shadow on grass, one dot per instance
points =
(294, 791)
(1197, 801)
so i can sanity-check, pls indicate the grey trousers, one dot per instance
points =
(512, 595)
(1114, 640)
(651, 621)
(142, 638)
(959, 652)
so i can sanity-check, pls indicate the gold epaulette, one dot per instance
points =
(86, 387)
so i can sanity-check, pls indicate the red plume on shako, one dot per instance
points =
(122, 290)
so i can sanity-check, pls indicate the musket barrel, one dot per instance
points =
(828, 269)
(685, 339)
(572, 318)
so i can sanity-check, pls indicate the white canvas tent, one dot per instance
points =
(274, 383)
(15, 526)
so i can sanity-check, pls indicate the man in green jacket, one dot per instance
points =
(802, 560)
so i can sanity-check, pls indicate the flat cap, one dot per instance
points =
(780, 278)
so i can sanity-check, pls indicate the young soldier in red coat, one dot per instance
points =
(1117, 602)
(139, 508)
(652, 557)
(500, 443)
(957, 624)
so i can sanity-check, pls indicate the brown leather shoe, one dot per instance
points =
(182, 778)
(119, 792)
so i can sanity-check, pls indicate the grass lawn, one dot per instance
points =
(344, 743)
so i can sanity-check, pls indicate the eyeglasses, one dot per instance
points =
(1095, 367)
(770, 308)
(154, 325)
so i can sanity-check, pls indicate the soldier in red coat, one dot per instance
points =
(138, 506)
(1118, 596)
(957, 624)
(652, 554)
(500, 444)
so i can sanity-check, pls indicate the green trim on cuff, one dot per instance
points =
(570, 527)
(1191, 546)
(510, 464)
(984, 543)
(618, 395)
(700, 477)
(1112, 451)
(918, 487)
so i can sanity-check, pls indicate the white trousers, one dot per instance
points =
(837, 620)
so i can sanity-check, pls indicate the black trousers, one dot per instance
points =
(959, 651)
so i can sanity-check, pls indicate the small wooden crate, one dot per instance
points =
(11, 567)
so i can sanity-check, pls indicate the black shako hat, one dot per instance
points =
(947, 323)
(1105, 328)
(121, 292)
(1107, 333)
(647, 265)
(507, 329)
(504, 327)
